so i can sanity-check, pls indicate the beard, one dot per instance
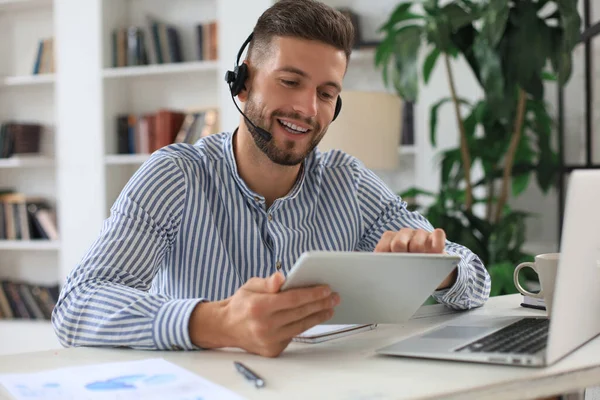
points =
(289, 152)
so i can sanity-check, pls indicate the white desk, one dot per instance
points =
(348, 369)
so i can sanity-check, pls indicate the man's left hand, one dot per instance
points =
(409, 240)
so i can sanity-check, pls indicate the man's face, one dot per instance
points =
(293, 95)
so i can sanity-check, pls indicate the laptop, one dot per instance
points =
(533, 341)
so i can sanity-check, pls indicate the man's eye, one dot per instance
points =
(289, 83)
(326, 95)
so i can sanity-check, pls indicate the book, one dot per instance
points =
(533, 302)
(322, 333)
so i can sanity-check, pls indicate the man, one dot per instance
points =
(198, 242)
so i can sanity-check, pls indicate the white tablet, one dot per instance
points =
(373, 287)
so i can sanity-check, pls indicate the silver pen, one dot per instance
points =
(249, 374)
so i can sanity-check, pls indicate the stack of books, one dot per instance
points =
(533, 302)
(144, 134)
(160, 43)
(19, 300)
(26, 217)
(44, 58)
(19, 138)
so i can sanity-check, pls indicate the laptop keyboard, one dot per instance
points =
(526, 336)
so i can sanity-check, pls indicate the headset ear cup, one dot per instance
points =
(338, 108)
(241, 74)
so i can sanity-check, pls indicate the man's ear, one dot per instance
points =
(243, 94)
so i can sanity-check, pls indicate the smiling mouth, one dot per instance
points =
(292, 128)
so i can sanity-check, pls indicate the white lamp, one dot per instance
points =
(368, 127)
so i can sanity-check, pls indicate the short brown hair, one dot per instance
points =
(304, 19)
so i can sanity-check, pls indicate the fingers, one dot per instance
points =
(402, 239)
(285, 317)
(436, 242)
(419, 242)
(409, 240)
(274, 282)
(271, 284)
(384, 243)
(294, 298)
(297, 327)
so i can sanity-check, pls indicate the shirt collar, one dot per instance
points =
(230, 158)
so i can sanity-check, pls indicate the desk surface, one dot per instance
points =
(348, 368)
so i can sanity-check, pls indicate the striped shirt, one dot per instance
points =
(186, 228)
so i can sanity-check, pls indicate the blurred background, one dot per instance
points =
(474, 113)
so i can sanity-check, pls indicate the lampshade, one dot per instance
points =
(368, 127)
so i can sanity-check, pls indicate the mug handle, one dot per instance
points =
(540, 294)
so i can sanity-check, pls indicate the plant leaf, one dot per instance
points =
(490, 69)
(400, 14)
(458, 16)
(570, 21)
(547, 171)
(565, 62)
(494, 23)
(438, 32)
(531, 45)
(463, 40)
(520, 183)
(433, 117)
(406, 52)
(414, 192)
(540, 4)
(501, 275)
(450, 159)
(549, 76)
(401, 43)
(565, 38)
(430, 63)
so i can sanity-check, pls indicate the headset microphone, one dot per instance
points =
(262, 132)
(236, 80)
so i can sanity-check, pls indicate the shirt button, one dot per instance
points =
(278, 265)
(176, 348)
(256, 199)
(270, 217)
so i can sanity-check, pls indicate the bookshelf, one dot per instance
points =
(157, 70)
(126, 159)
(27, 108)
(27, 80)
(15, 5)
(30, 245)
(26, 162)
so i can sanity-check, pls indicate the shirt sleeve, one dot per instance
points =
(106, 300)
(382, 211)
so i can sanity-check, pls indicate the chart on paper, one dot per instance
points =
(144, 379)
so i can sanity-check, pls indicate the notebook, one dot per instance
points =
(533, 302)
(322, 333)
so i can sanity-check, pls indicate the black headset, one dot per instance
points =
(236, 80)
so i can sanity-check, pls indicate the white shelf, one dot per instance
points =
(26, 162)
(363, 55)
(407, 150)
(126, 159)
(26, 80)
(9, 5)
(160, 69)
(29, 245)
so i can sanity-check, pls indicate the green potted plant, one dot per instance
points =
(508, 45)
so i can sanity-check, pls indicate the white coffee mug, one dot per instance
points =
(545, 266)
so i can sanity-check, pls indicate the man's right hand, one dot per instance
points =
(262, 320)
